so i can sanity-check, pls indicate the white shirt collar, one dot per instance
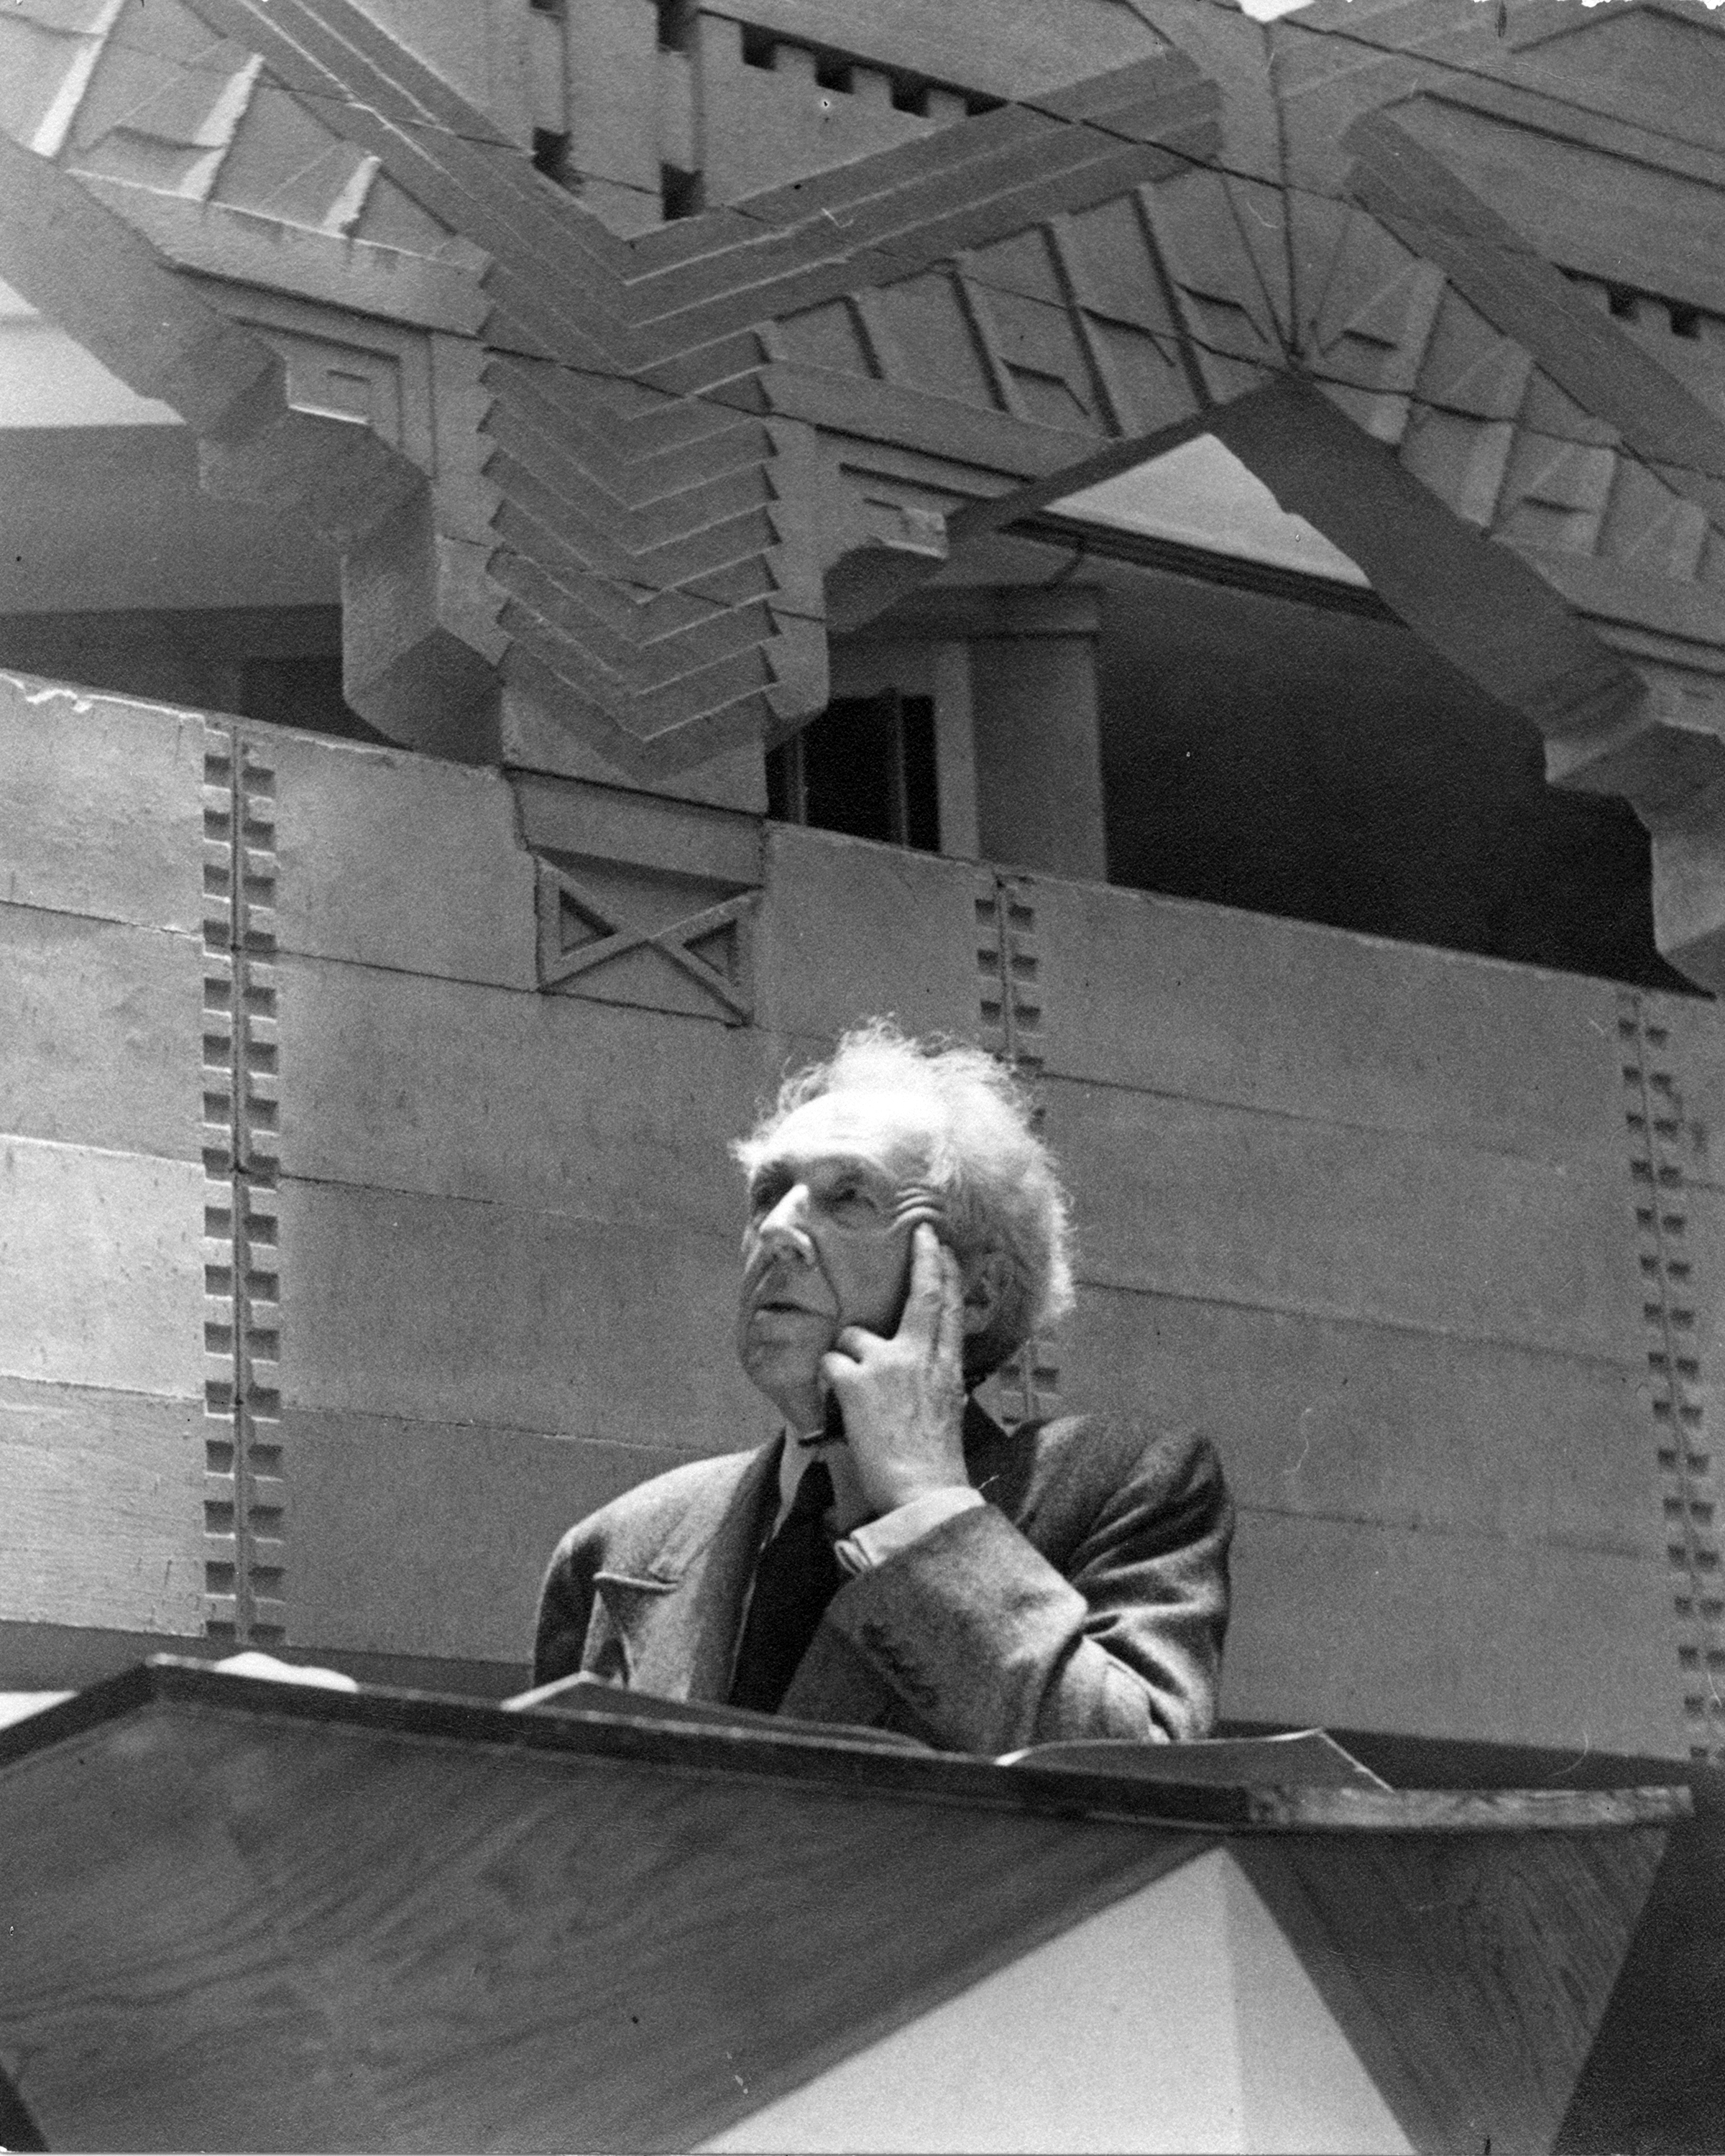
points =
(847, 1503)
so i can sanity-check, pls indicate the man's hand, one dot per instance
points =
(903, 1398)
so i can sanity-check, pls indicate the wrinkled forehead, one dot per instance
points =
(898, 1133)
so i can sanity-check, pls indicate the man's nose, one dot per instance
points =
(786, 1226)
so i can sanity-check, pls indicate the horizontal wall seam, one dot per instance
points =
(729, 1229)
(410, 1428)
(192, 936)
(1630, 1363)
(190, 1399)
(1650, 1554)
(1588, 1151)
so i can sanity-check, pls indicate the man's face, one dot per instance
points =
(833, 1203)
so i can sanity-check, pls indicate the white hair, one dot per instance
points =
(999, 1187)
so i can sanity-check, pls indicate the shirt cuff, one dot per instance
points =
(871, 1544)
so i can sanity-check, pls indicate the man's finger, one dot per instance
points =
(841, 1372)
(951, 1308)
(927, 1296)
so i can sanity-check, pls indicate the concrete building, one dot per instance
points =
(581, 549)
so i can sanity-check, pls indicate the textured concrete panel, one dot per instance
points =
(1410, 1429)
(850, 929)
(444, 1311)
(429, 1539)
(1361, 1626)
(1226, 1006)
(1702, 1291)
(99, 1032)
(101, 810)
(397, 859)
(408, 1082)
(1697, 1060)
(563, 817)
(1187, 1199)
(101, 1269)
(101, 1518)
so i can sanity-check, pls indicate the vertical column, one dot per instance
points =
(1009, 967)
(955, 750)
(244, 1492)
(1039, 758)
(1654, 1115)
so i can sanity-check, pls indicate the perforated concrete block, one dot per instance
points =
(391, 858)
(761, 124)
(406, 1082)
(429, 1539)
(101, 810)
(1181, 1198)
(1408, 1428)
(101, 1033)
(101, 1518)
(850, 929)
(1349, 1623)
(1011, 50)
(101, 1269)
(1227, 1006)
(442, 1310)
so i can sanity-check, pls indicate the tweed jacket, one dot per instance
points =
(1086, 1598)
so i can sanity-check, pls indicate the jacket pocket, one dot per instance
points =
(621, 1603)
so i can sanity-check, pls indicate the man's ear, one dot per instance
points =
(987, 1278)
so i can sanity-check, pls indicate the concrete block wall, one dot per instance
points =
(752, 93)
(1377, 1216)
(102, 1286)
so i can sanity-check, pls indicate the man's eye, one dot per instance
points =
(852, 1194)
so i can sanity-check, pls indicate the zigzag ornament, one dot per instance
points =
(631, 538)
(656, 471)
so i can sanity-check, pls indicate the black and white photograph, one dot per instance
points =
(862, 892)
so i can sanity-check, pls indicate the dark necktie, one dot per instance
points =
(795, 1578)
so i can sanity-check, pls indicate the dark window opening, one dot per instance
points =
(866, 767)
(832, 73)
(680, 194)
(1321, 762)
(303, 692)
(910, 95)
(282, 665)
(1623, 302)
(758, 46)
(551, 155)
(1685, 321)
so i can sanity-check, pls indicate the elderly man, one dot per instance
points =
(892, 1557)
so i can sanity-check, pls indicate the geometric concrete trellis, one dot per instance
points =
(599, 496)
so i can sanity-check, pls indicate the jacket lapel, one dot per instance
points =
(677, 1614)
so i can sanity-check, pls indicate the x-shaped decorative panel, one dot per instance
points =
(583, 932)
